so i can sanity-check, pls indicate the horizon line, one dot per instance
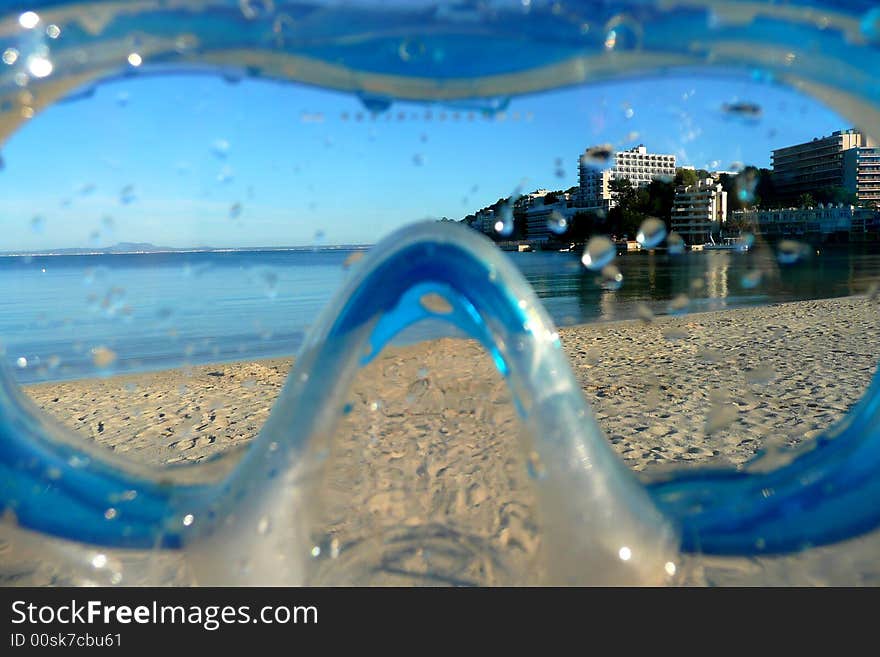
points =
(76, 250)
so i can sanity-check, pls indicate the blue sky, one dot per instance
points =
(300, 167)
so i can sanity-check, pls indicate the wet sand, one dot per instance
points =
(431, 439)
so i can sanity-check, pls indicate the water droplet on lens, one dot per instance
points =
(220, 148)
(599, 251)
(673, 334)
(29, 20)
(557, 223)
(264, 525)
(870, 25)
(254, 9)
(504, 225)
(39, 67)
(103, 357)
(435, 303)
(535, 466)
(10, 56)
(38, 223)
(708, 355)
(675, 244)
(225, 175)
(760, 375)
(270, 283)
(745, 242)
(789, 252)
(411, 49)
(623, 33)
(418, 159)
(651, 233)
(612, 279)
(743, 110)
(644, 313)
(355, 257)
(679, 304)
(751, 279)
(126, 196)
(720, 415)
(593, 356)
(235, 210)
(599, 156)
(375, 104)
(283, 28)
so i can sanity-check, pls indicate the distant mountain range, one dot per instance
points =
(147, 247)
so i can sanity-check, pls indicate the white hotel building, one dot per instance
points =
(699, 211)
(636, 164)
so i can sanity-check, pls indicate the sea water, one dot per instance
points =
(162, 310)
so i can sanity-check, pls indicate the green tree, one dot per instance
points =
(627, 214)
(662, 197)
(586, 223)
(806, 201)
(552, 197)
(836, 195)
(765, 190)
(729, 185)
(685, 177)
(749, 188)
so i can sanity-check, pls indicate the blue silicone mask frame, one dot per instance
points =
(591, 503)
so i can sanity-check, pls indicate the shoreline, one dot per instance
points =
(561, 328)
(628, 370)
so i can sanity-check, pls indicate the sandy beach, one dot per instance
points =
(430, 443)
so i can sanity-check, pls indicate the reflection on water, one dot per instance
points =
(712, 280)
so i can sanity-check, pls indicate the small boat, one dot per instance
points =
(730, 244)
(719, 247)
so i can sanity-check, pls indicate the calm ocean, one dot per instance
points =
(163, 310)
